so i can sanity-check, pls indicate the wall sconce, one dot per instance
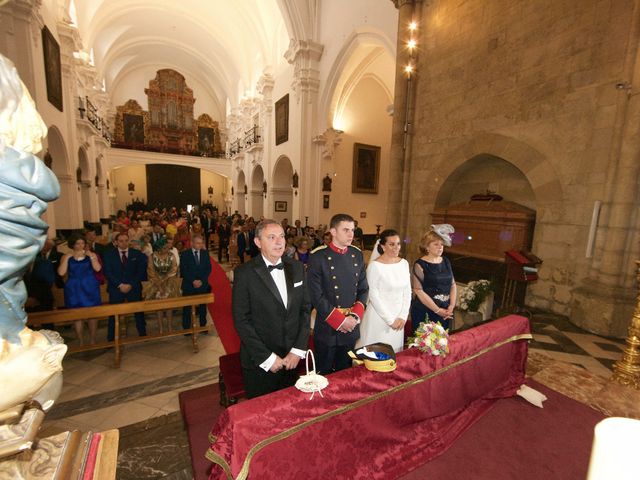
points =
(246, 190)
(264, 189)
(132, 188)
(294, 182)
(232, 191)
(210, 190)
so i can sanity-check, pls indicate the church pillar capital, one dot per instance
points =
(304, 55)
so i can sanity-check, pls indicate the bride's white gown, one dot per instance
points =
(389, 298)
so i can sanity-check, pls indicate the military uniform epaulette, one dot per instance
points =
(353, 246)
(317, 249)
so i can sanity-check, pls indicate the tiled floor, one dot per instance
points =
(141, 397)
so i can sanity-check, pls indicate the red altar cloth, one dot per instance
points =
(373, 425)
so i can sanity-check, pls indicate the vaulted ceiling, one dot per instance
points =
(225, 45)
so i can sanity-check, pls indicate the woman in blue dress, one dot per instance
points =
(432, 280)
(82, 288)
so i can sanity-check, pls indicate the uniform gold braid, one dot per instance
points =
(244, 472)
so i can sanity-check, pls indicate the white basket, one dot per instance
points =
(311, 382)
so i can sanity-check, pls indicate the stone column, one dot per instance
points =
(604, 302)
(404, 102)
(304, 55)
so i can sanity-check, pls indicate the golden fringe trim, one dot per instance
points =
(244, 472)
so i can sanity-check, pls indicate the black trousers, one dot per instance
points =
(222, 248)
(332, 358)
(258, 382)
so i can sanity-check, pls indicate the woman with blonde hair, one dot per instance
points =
(432, 280)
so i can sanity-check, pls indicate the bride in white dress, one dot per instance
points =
(389, 294)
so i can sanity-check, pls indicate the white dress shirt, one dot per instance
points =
(281, 283)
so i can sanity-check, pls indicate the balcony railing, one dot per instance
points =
(251, 137)
(90, 112)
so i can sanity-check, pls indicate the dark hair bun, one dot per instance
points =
(384, 236)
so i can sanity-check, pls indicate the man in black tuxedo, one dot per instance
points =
(208, 225)
(125, 268)
(271, 313)
(195, 268)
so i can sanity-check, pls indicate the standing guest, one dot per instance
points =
(173, 250)
(301, 252)
(82, 288)
(290, 248)
(271, 314)
(157, 234)
(358, 236)
(326, 238)
(208, 226)
(243, 240)
(182, 240)
(224, 235)
(90, 236)
(41, 278)
(162, 271)
(299, 230)
(253, 249)
(135, 234)
(195, 268)
(432, 280)
(147, 248)
(125, 269)
(285, 224)
(338, 289)
(389, 294)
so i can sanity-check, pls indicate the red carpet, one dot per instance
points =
(220, 309)
(514, 440)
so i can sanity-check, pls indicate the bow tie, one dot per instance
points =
(280, 266)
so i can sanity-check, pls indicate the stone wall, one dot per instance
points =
(550, 87)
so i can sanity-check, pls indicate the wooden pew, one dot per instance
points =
(62, 316)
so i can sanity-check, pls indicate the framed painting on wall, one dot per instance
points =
(280, 206)
(133, 126)
(366, 168)
(52, 68)
(282, 120)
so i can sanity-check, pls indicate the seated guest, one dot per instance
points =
(125, 269)
(162, 271)
(432, 280)
(195, 268)
(290, 248)
(389, 294)
(270, 313)
(82, 288)
(326, 238)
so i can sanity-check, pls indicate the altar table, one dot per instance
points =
(372, 425)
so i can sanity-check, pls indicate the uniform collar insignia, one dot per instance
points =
(336, 249)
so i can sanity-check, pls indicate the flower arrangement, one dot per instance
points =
(431, 338)
(472, 296)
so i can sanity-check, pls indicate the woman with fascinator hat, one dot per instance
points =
(432, 280)
(389, 294)
(162, 272)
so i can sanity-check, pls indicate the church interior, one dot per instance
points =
(514, 121)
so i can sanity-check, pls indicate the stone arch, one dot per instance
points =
(533, 164)
(282, 188)
(360, 51)
(58, 152)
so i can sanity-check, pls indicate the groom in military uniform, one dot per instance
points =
(338, 289)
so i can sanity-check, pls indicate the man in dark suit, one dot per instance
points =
(224, 234)
(195, 268)
(125, 268)
(271, 313)
(208, 223)
(338, 289)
